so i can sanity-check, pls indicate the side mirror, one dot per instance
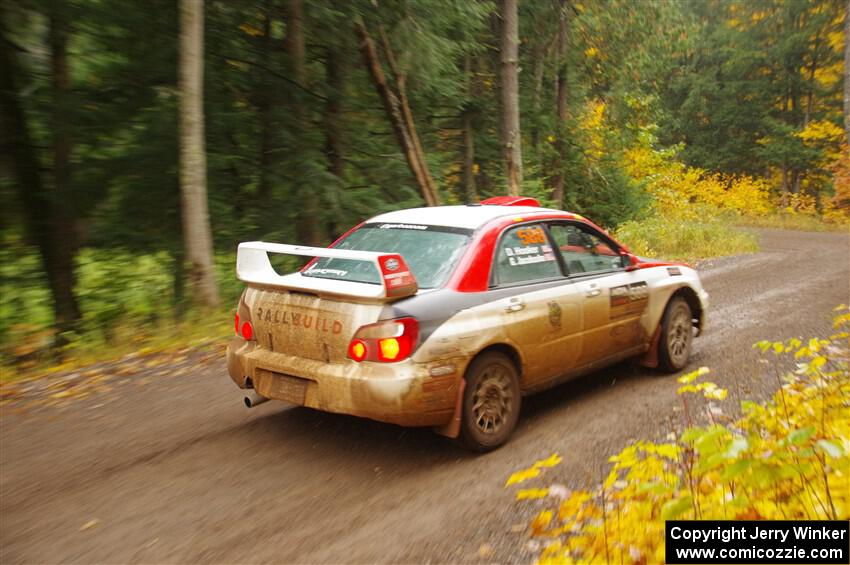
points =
(631, 261)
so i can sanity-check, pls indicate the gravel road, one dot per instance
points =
(163, 463)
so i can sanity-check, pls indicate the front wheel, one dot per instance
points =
(491, 402)
(677, 333)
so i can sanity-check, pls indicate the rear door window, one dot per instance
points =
(524, 255)
(431, 252)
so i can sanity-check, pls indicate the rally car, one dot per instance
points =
(446, 316)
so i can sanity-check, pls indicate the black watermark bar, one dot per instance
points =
(757, 541)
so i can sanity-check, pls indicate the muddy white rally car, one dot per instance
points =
(447, 316)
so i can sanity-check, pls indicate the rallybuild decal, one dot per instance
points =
(629, 299)
(297, 319)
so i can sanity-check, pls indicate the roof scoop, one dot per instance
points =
(511, 201)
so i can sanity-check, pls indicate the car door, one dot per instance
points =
(613, 300)
(540, 308)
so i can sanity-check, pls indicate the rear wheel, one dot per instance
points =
(491, 402)
(677, 333)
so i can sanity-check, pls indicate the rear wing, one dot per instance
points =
(397, 281)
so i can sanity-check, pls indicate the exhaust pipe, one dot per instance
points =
(254, 399)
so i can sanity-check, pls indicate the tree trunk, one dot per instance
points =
(333, 112)
(810, 94)
(307, 226)
(407, 114)
(264, 103)
(197, 234)
(784, 188)
(400, 117)
(511, 138)
(561, 91)
(847, 70)
(470, 193)
(54, 243)
(539, 56)
(333, 138)
(63, 210)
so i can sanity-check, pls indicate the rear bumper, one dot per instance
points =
(401, 393)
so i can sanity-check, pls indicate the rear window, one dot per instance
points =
(431, 252)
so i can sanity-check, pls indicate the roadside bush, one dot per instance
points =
(785, 459)
(691, 193)
(685, 239)
(128, 301)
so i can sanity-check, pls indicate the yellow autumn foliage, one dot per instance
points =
(689, 192)
(534, 470)
(786, 459)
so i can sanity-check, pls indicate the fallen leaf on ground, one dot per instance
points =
(89, 525)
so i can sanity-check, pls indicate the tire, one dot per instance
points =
(677, 335)
(491, 402)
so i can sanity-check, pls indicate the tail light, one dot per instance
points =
(245, 330)
(386, 342)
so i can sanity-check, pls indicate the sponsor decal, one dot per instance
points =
(402, 227)
(335, 272)
(398, 282)
(673, 271)
(398, 279)
(554, 315)
(299, 320)
(629, 299)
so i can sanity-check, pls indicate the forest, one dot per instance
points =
(141, 141)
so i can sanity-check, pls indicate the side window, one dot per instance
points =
(584, 251)
(524, 255)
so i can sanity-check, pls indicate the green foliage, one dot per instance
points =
(25, 304)
(684, 239)
(756, 76)
(127, 299)
(786, 459)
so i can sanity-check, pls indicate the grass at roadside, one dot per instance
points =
(685, 239)
(129, 303)
(799, 222)
(194, 331)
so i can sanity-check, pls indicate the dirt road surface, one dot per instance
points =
(165, 464)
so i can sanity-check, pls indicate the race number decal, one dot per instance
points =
(531, 236)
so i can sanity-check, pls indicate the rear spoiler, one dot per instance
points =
(253, 266)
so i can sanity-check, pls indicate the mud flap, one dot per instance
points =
(650, 358)
(452, 429)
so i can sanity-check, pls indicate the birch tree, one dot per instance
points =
(197, 234)
(511, 138)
